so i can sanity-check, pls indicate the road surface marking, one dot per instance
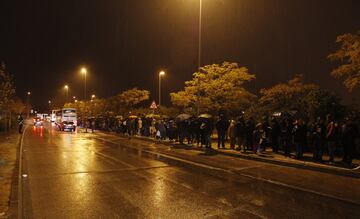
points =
(20, 195)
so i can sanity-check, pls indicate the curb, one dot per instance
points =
(306, 166)
(325, 169)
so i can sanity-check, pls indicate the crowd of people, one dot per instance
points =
(281, 134)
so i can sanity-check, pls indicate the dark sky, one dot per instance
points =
(125, 43)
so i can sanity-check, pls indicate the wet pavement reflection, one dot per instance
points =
(75, 175)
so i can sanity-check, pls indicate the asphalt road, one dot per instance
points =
(84, 175)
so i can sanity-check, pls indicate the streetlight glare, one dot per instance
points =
(66, 87)
(93, 96)
(162, 73)
(83, 70)
(28, 92)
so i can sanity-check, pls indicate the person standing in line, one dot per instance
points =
(240, 133)
(232, 134)
(299, 137)
(139, 127)
(330, 138)
(249, 129)
(222, 126)
(349, 133)
(275, 134)
(21, 123)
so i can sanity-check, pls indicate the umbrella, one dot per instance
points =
(183, 117)
(205, 116)
(132, 117)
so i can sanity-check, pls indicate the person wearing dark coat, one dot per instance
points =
(275, 135)
(286, 136)
(349, 133)
(249, 130)
(194, 130)
(240, 133)
(299, 137)
(317, 143)
(222, 126)
(21, 123)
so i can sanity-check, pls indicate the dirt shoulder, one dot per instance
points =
(9, 143)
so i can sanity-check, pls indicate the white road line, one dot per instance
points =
(20, 195)
(246, 175)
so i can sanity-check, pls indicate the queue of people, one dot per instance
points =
(284, 134)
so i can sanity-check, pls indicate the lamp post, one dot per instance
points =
(49, 105)
(199, 57)
(66, 87)
(84, 72)
(161, 73)
(28, 103)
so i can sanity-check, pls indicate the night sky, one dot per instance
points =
(125, 43)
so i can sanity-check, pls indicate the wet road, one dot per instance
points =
(90, 176)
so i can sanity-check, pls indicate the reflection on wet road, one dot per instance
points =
(73, 175)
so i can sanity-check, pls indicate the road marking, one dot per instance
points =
(158, 154)
(246, 168)
(100, 171)
(244, 175)
(20, 194)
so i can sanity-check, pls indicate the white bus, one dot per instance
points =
(65, 119)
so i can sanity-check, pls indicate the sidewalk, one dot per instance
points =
(8, 156)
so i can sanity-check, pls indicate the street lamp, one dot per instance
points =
(199, 56)
(93, 96)
(84, 72)
(161, 74)
(28, 103)
(66, 87)
(49, 104)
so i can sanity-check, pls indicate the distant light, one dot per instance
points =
(76, 101)
(24, 175)
(49, 101)
(66, 87)
(74, 97)
(83, 71)
(162, 73)
(28, 92)
(93, 96)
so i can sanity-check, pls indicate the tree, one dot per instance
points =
(7, 88)
(133, 97)
(308, 100)
(286, 96)
(216, 87)
(17, 106)
(349, 55)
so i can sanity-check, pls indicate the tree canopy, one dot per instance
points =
(7, 88)
(308, 100)
(349, 55)
(215, 87)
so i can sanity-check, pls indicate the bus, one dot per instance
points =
(65, 119)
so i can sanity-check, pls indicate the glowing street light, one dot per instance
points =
(93, 96)
(28, 103)
(84, 72)
(161, 74)
(66, 87)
